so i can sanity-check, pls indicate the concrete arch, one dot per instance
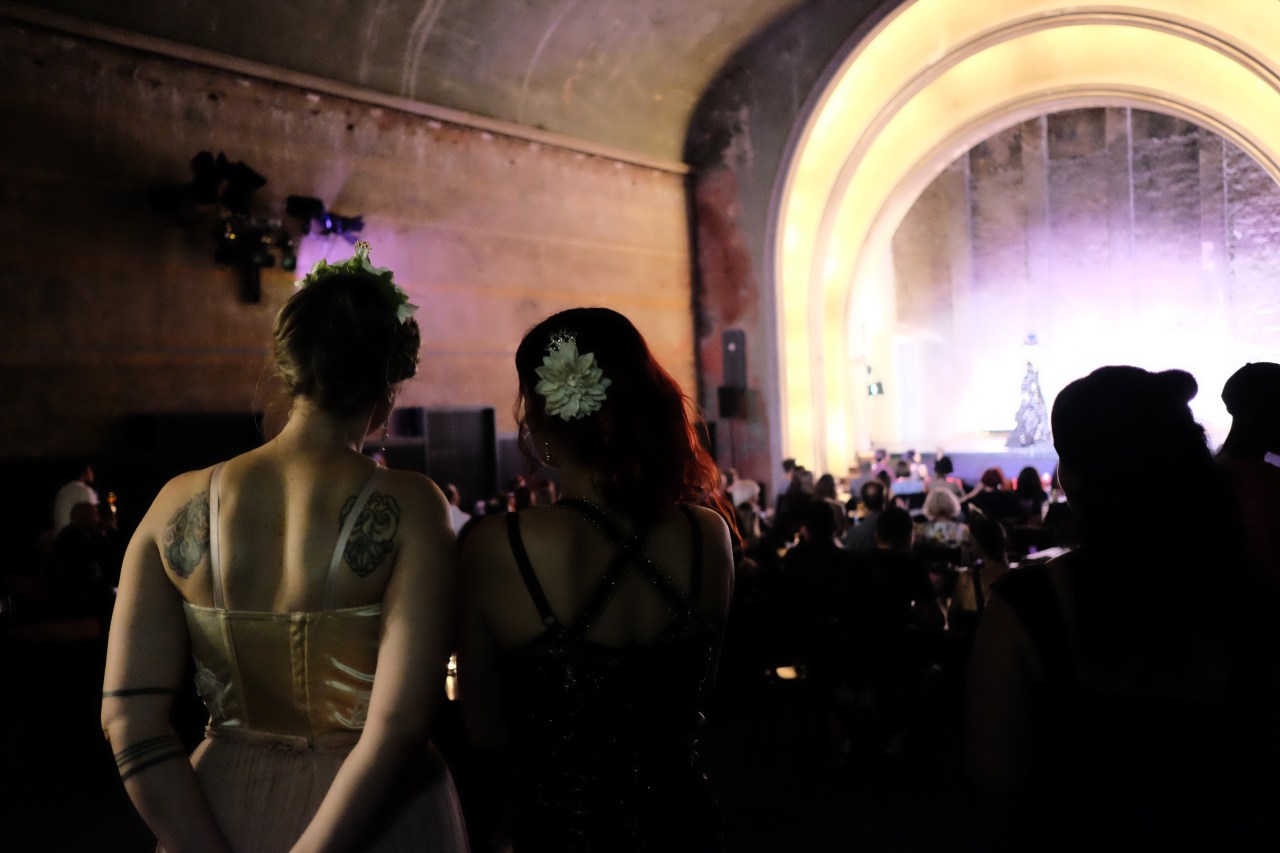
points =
(932, 79)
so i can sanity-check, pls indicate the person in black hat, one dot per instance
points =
(1117, 695)
(1252, 396)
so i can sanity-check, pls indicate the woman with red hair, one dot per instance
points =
(592, 626)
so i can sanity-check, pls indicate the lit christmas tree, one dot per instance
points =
(1033, 418)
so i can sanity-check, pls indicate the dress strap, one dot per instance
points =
(526, 572)
(630, 547)
(215, 549)
(695, 566)
(347, 526)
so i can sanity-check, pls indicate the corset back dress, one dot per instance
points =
(603, 740)
(287, 695)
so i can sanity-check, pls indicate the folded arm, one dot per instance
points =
(146, 657)
(417, 638)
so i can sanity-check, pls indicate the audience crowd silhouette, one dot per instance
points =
(1063, 662)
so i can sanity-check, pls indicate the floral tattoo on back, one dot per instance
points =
(373, 536)
(186, 536)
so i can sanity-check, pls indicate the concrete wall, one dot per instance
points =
(737, 140)
(108, 309)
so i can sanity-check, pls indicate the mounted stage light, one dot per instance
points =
(875, 389)
(311, 211)
(241, 182)
(305, 208)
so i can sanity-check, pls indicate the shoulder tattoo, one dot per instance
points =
(374, 533)
(186, 536)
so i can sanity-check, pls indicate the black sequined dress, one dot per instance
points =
(603, 739)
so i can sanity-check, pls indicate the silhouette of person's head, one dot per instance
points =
(819, 522)
(894, 528)
(872, 495)
(988, 536)
(1028, 483)
(825, 487)
(941, 504)
(1252, 396)
(1145, 413)
(944, 467)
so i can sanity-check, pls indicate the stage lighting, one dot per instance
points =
(288, 257)
(875, 389)
(242, 181)
(346, 224)
(230, 248)
(261, 256)
(305, 208)
(206, 175)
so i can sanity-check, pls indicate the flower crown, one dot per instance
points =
(573, 384)
(359, 265)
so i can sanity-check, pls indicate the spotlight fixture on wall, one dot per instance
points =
(310, 211)
(875, 389)
(223, 190)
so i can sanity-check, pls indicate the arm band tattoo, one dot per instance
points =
(186, 537)
(373, 536)
(140, 691)
(146, 754)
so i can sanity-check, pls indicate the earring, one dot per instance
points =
(385, 425)
(546, 452)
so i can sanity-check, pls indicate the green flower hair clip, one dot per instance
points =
(359, 264)
(572, 383)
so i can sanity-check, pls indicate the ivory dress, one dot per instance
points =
(287, 695)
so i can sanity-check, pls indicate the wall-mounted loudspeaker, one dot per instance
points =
(733, 402)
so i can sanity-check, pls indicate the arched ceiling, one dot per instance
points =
(936, 77)
(624, 74)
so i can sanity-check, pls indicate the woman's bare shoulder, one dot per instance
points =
(413, 486)
(184, 493)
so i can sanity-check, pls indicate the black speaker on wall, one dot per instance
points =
(732, 402)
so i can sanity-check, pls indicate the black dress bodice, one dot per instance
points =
(602, 739)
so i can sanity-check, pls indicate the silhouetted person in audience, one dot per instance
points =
(458, 517)
(1252, 396)
(862, 536)
(1119, 696)
(906, 633)
(817, 588)
(1031, 494)
(992, 498)
(943, 469)
(77, 491)
(902, 576)
(78, 566)
(825, 490)
(905, 481)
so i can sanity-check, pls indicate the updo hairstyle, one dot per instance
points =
(642, 442)
(338, 342)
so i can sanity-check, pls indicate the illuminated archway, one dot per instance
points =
(931, 80)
